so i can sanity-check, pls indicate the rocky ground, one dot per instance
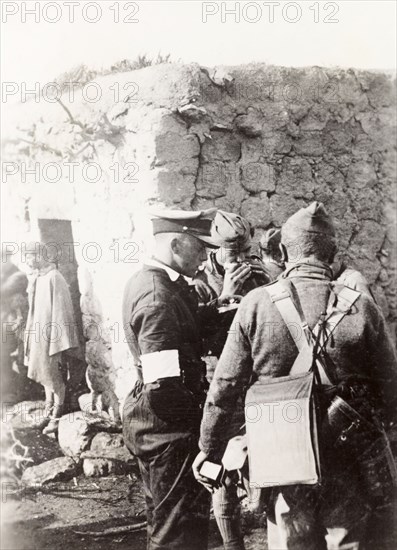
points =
(84, 487)
(66, 488)
(80, 511)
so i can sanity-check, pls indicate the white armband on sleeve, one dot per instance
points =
(160, 364)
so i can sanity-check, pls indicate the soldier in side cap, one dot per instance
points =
(334, 514)
(271, 256)
(162, 415)
(233, 235)
(233, 270)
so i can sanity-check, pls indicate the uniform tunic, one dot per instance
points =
(161, 419)
(260, 347)
(209, 284)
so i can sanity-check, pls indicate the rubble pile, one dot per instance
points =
(87, 443)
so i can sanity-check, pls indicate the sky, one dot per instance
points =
(61, 34)
(37, 48)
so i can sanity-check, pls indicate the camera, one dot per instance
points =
(213, 472)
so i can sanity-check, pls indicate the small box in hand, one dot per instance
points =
(213, 472)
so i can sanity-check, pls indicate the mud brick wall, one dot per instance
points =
(259, 140)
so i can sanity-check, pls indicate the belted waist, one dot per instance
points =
(170, 381)
(165, 379)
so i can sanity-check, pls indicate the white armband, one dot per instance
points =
(160, 364)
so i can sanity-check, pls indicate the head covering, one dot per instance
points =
(312, 219)
(231, 230)
(195, 223)
(270, 240)
(49, 252)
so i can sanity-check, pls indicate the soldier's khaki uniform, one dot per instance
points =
(209, 284)
(260, 347)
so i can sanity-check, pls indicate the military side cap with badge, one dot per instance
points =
(196, 223)
(231, 230)
(312, 219)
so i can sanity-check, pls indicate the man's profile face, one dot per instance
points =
(191, 253)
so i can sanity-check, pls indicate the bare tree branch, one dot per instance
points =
(114, 530)
(71, 118)
(43, 147)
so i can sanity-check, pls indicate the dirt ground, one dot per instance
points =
(76, 513)
(44, 519)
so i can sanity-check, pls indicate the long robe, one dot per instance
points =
(50, 328)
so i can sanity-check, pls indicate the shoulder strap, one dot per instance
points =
(288, 305)
(292, 314)
(336, 310)
(280, 295)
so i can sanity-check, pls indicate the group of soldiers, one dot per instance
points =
(203, 328)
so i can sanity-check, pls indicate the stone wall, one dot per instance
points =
(258, 140)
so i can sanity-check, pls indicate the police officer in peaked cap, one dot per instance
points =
(162, 414)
